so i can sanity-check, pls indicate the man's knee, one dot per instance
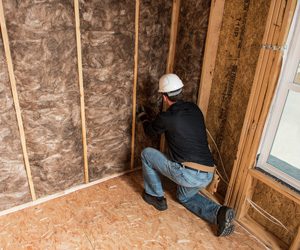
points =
(186, 194)
(146, 152)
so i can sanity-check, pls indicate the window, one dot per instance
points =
(280, 148)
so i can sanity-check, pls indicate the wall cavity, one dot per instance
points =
(193, 23)
(43, 45)
(154, 36)
(240, 41)
(280, 207)
(14, 188)
(107, 29)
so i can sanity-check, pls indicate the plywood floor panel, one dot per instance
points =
(112, 215)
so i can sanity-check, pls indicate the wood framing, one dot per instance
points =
(263, 103)
(296, 242)
(249, 183)
(136, 48)
(16, 99)
(267, 238)
(210, 53)
(268, 68)
(63, 193)
(81, 89)
(280, 188)
(230, 196)
(173, 36)
(259, 101)
(172, 51)
(262, 77)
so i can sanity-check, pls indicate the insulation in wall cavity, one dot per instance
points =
(193, 23)
(280, 207)
(107, 29)
(14, 188)
(154, 37)
(240, 40)
(43, 45)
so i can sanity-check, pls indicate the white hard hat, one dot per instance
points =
(171, 84)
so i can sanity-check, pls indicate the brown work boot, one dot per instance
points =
(225, 218)
(160, 203)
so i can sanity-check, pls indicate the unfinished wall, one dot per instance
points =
(283, 209)
(193, 23)
(107, 29)
(14, 188)
(240, 40)
(43, 45)
(154, 35)
(44, 54)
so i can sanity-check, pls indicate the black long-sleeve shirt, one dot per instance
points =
(184, 128)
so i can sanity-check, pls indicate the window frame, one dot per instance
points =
(291, 61)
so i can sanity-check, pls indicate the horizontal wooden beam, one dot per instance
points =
(271, 241)
(280, 188)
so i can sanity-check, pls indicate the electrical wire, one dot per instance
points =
(262, 211)
(222, 178)
(222, 164)
(252, 203)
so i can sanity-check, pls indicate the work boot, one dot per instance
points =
(160, 203)
(225, 218)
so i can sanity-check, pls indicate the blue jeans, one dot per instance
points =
(188, 181)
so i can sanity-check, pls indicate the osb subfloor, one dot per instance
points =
(112, 215)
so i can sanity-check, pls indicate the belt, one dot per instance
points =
(199, 167)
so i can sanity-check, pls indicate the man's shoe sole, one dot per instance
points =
(150, 201)
(229, 228)
(230, 215)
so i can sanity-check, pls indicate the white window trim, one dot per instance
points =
(286, 82)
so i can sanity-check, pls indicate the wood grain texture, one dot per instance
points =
(283, 209)
(267, 238)
(43, 45)
(14, 188)
(154, 36)
(136, 55)
(81, 91)
(240, 39)
(107, 31)
(173, 35)
(112, 215)
(210, 53)
(171, 55)
(193, 24)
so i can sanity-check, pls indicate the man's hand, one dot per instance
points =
(141, 114)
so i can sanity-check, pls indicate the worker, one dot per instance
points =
(185, 133)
